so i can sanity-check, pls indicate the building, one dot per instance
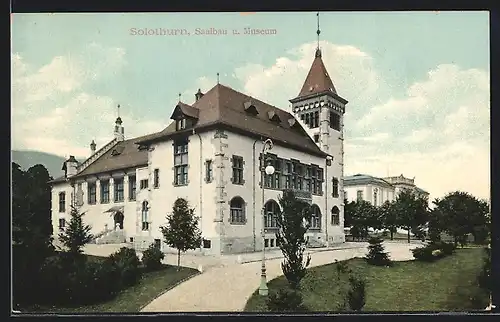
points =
(377, 190)
(211, 155)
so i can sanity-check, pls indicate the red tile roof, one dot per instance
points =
(318, 80)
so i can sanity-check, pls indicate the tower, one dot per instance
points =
(119, 130)
(92, 148)
(321, 110)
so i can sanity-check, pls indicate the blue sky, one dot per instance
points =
(417, 82)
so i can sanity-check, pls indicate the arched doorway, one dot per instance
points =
(118, 218)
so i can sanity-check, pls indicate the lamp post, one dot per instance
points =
(269, 170)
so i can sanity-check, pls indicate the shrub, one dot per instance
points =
(376, 255)
(127, 263)
(357, 293)
(152, 257)
(286, 300)
(433, 251)
(484, 277)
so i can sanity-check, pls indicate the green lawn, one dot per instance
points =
(134, 298)
(448, 284)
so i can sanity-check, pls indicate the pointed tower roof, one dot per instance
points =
(318, 80)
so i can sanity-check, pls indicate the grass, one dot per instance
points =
(134, 298)
(449, 284)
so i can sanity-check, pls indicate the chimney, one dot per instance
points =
(92, 148)
(198, 95)
(70, 167)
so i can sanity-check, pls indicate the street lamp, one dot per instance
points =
(269, 170)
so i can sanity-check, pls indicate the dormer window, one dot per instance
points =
(250, 108)
(274, 117)
(180, 124)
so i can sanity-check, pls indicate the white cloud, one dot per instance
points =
(437, 131)
(351, 70)
(53, 112)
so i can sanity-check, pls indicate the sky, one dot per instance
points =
(417, 82)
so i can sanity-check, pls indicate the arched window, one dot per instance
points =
(315, 217)
(272, 210)
(237, 206)
(335, 216)
(145, 215)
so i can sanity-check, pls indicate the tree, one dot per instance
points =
(460, 214)
(31, 229)
(293, 222)
(412, 211)
(182, 230)
(286, 300)
(389, 217)
(76, 235)
(364, 215)
(376, 254)
(349, 207)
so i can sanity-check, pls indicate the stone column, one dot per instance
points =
(125, 188)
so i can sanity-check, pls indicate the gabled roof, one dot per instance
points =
(124, 155)
(223, 106)
(185, 109)
(318, 80)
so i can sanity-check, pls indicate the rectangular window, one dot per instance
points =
(266, 242)
(320, 181)
(272, 242)
(144, 184)
(158, 243)
(316, 120)
(181, 163)
(335, 187)
(62, 224)
(238, 170)
(375, 197)
(119, 190)
(180, 124)
(92, 193)
(62, 201)
(359, 195)
(145, 226)
(105, 191)
(132, 186)
(156, 179)
(208, 171)
(335, 121)
(207, 243)
(345, 194)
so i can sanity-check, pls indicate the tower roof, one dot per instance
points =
(318, 80)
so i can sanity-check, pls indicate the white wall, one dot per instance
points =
(384, 193)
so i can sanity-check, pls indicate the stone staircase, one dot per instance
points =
(112, 237)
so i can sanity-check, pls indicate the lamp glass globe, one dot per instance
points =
(269, 170)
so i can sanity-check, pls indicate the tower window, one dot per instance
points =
(335, 121)
(316, 138)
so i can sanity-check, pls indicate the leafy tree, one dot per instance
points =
(76, 235)
(364, 215)
(460, 214)
(349, 207)
(376, 254)
(182, 230)
(412, 211)
(31, 229)
(389, 217)
(293, 222)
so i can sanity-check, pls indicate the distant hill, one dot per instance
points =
(27, 159)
